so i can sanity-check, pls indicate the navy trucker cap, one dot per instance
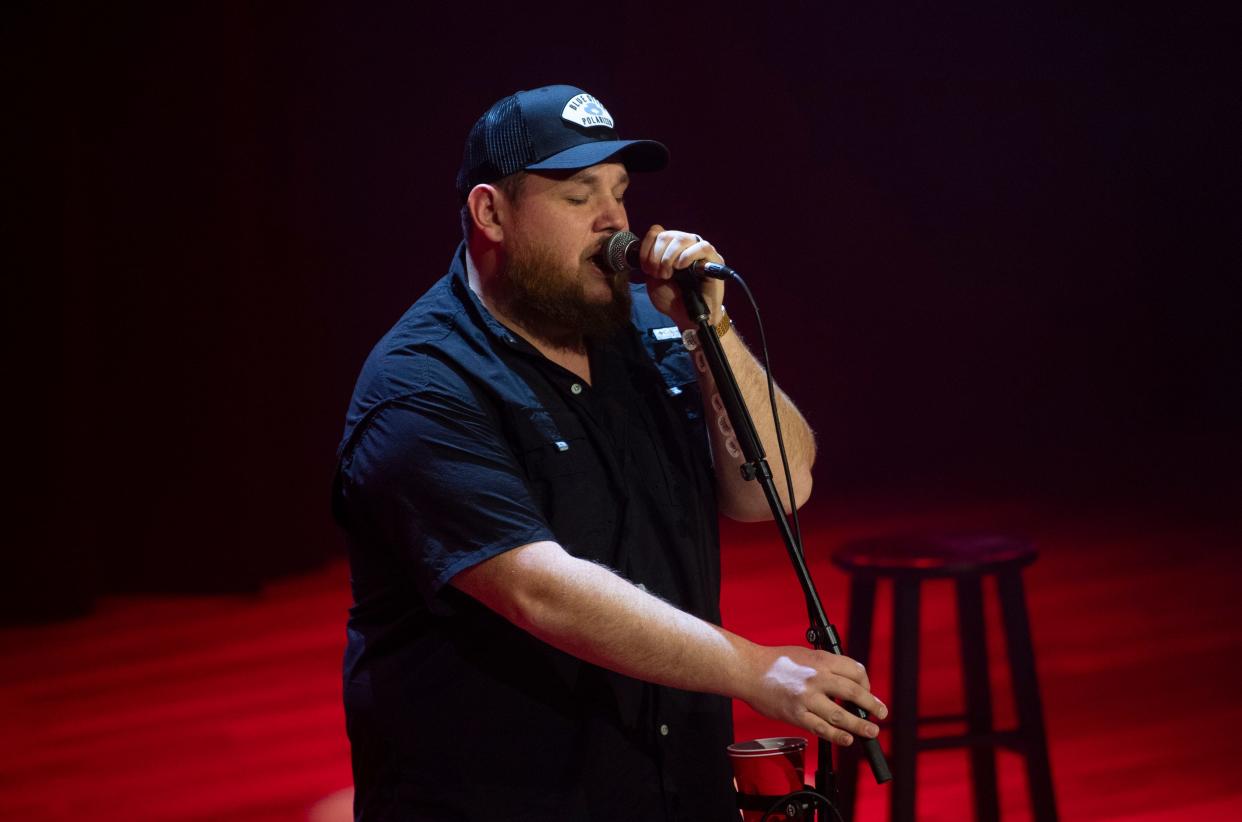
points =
(545, 129)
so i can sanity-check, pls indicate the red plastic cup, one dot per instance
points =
(765, 770)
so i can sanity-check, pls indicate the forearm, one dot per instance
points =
(662, 254)
(741, 499)
(588, 611)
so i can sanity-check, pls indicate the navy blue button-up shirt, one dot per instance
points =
(462, 441)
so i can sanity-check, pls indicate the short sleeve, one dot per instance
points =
(430, 479)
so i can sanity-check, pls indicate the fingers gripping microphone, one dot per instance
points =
(621, 257)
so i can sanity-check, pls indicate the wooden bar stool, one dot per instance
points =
(907, 561)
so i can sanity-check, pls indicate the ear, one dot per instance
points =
(488, 209)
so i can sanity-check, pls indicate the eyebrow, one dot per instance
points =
(588, 177)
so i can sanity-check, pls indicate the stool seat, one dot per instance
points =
(934, 555)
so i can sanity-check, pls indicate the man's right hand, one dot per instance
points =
(797, 685)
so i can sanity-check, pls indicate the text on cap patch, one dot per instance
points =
(585, 110)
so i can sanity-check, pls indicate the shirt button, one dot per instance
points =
(576, 388)
(663, 730)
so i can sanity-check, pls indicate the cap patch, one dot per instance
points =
(585, 110)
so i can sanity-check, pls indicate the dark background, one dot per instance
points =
(995, 247)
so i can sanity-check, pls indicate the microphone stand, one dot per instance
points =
(821, 633)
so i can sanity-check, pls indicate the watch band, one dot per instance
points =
(690, 338)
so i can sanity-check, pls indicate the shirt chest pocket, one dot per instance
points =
(557, 458)
(570, 484)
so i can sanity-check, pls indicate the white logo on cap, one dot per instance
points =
(585, 110)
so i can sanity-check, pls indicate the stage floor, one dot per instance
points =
(213, 708)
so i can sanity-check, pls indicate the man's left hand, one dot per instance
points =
(663, 252)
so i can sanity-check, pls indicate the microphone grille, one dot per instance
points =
(614, 251)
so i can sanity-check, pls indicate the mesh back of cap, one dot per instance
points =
(498, 146)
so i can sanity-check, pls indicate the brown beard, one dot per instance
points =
(550, 301)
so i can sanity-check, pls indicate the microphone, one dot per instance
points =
(621, 256)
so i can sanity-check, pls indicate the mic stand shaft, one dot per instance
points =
(821, 634)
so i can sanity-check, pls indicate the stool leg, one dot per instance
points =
(857, 646)
(905, 698)
(1026, 695)
(970, 628)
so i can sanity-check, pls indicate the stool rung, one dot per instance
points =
(1007, 739)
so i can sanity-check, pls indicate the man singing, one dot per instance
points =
(529, 480)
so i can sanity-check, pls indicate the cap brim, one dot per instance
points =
(637, 155)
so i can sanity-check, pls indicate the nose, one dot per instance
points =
(611, 217)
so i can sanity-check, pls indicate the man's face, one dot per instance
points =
(554, 280)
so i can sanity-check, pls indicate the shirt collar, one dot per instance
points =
(474, 306)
